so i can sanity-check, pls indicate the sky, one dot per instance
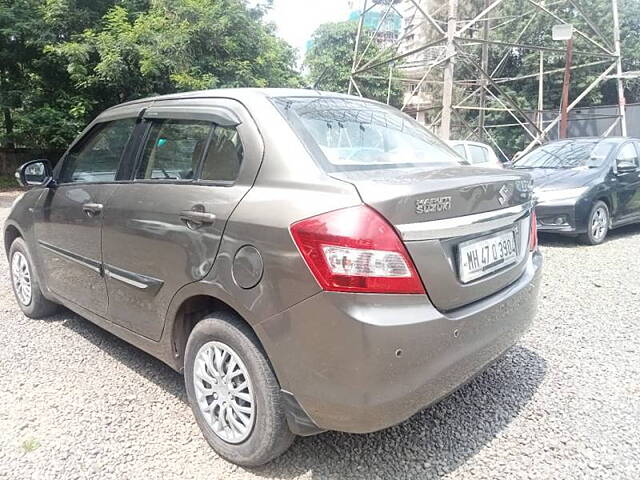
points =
(297, 19)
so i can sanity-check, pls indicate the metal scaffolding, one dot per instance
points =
(462, 56)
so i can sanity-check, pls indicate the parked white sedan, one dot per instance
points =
(476, 153)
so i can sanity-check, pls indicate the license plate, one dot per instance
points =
(480, 257)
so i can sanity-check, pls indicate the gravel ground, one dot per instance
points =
(76, 402)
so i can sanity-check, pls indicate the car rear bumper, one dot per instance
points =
(360, 363)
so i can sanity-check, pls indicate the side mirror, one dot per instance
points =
(36, 173)
(625, 166)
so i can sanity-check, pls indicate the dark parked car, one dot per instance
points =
(585, 186)
(310, 261)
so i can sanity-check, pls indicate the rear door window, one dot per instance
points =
(478, 154)
(224, 156)
(174, 149)
(96, 157)
(461, 150)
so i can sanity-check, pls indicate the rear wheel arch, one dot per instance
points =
(191, 311)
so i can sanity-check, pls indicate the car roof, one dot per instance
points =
(240, 94)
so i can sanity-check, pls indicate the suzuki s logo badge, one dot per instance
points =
(433, 205)
(505, 194)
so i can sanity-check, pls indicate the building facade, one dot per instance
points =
(416, 33)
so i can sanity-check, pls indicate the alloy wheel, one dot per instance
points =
(224, 392)
(21, 276)
(599, 223)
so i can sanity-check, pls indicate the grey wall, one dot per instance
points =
(594, 121)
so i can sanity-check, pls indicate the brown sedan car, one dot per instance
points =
(310, 261)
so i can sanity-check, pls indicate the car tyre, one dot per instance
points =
(234, 342)
(597, 224)
(26, 284)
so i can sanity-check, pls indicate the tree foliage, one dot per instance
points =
(330, 57)
(64, 61)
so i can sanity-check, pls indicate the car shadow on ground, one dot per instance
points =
(431, 444)
(135, 359)
(565, 241)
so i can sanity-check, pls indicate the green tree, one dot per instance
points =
(40, 107)
(17, 53)
(64, 61)
(176, 46)
(329, 58)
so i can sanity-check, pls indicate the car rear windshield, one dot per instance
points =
(350, 134)
(569, 154)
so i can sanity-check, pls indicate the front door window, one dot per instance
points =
(628, 155)
(96, 158)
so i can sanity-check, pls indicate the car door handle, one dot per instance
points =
(92, 209)
(195, 219)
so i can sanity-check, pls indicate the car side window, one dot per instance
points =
(97, 156)
(173, 149)
(460, 150)
(224, 156)
(629, 154)
(478, 154)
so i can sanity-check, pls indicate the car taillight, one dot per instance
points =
(356, 250)
(533, 237)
